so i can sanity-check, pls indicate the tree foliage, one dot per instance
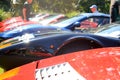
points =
(66, 6)
(63, 6)
(103, 5)
(59, 6)
(4, 7)
(5, 4)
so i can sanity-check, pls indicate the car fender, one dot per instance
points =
(82, 38)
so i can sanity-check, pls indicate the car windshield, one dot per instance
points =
(68, 21)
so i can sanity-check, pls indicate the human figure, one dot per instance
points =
(26, 10)
(93, 9)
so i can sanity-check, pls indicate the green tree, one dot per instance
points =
(57, 6)
(103, 5)
(4, 8)
(5, 4)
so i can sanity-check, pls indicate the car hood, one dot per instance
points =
(27, 37)
(113, 34)
(32, 28)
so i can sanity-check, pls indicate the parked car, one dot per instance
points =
(16, 24)
(30, 47)
(52, 19)
(42, 19)
(11, 20)
(68, 24)
(46, 19)
(111, 30)
(95, 64)
(39, 17)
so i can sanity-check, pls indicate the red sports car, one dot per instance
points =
(12, 20)
(16, 24)
(95, 64)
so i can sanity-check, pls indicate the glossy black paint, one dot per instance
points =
(51, 44)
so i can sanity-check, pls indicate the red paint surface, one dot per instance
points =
(97, 64)
(26, 72)
(12, 20)
(15, 25)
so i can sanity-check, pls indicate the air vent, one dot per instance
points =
(62, 71)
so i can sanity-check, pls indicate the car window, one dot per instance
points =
(92, 22)
(69, 21)
(95, 22)
(89, 23)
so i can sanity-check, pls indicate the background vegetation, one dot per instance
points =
(103, 5)
(69, 7)
(4, 8)
(66, 6)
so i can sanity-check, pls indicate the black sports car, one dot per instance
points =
(29, 47)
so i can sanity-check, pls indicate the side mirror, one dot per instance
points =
(77, 24)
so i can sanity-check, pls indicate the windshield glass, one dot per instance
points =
(68, 21)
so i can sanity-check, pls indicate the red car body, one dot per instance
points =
(95, 64)
(39, 17)
(17, 22)
(12, 20)
(14, 25)
(9, 21)
(52, 19)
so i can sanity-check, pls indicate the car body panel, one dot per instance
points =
(51, 19)
(12, 20)
(39, 17)
(31, 47)
(16, 24)
(31, 28)
(95, 64)
(59, 38)
(111, 30)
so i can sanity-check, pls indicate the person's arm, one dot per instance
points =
(24, 14)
